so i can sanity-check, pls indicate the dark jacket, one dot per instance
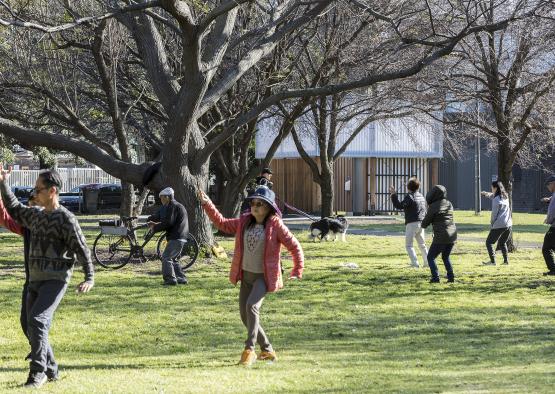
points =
(263, 181)
(173, 220)
(440, 215)
(413, 204)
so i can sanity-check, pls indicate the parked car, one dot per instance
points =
(73, 199)
(104, 195)
(109, 196)
(22, 193)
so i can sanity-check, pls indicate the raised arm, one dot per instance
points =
(407, 201)
(228, 226)
(430, 213)
(22, 214)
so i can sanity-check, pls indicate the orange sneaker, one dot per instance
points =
(247, 357)
(267, 356)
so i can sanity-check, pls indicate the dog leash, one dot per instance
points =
(297, 210)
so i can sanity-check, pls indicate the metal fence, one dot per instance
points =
(71, 177)
(396, 172)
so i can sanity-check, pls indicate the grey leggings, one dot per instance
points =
(251, 295)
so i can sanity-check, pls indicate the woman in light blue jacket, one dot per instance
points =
(501, 222)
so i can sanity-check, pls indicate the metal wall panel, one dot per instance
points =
(390, 138)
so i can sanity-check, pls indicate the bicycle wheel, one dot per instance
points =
(112, 251)
(189, 253)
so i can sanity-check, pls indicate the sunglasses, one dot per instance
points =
(37, 190)
(257, 203)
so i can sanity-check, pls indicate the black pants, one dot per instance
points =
(501, 236)
(548, 249)
(42, 300)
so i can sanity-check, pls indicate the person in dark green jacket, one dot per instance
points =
(440, 216)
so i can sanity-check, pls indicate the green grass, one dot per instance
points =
(380, 328)
(527, 228)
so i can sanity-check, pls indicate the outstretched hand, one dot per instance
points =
(84, 287)
(202, 197)
(546, 199)
(4, 174)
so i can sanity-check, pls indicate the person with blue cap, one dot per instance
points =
(548, 248)
(171, 218)
(259, 235)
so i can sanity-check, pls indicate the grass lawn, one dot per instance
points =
(379, 328)
(527, 228)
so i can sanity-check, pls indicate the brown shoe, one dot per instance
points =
(267, 356)
(248, 357)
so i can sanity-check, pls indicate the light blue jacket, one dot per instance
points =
(500, 213)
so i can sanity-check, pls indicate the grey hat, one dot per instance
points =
(550, 179)
(168, 191)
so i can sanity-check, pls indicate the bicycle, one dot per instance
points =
(117, 243)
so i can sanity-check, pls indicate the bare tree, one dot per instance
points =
(501, 85)
(175, 54)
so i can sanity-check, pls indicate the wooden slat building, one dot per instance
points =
(385, 153)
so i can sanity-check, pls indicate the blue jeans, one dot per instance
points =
(433, 252)
(42, 300)
(171, 269)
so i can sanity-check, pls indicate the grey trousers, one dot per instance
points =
(251, 296)
(42, 300)
(171, 269)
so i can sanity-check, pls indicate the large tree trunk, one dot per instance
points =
(328, 191)
(505, 161)
(138, 208)
(127, 199)
(232, 198)
(186, 182)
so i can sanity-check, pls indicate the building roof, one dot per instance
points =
(404, 137)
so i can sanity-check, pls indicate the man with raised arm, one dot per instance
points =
(57, 243)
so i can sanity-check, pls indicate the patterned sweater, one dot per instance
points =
(57, 242)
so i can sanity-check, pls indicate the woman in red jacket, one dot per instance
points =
(256, 262)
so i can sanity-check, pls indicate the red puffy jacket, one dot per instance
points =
(277, 234)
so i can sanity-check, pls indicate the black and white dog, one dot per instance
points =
(335, 225)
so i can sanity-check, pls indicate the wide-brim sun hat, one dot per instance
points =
(265, 194)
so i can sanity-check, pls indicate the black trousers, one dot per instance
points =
(548, 249)
(501, 236)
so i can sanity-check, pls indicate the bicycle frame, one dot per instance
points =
(131, 232)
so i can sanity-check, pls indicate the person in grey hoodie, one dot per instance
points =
(548, 248)
(414, 206)
(440, 216)
(501, 222)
